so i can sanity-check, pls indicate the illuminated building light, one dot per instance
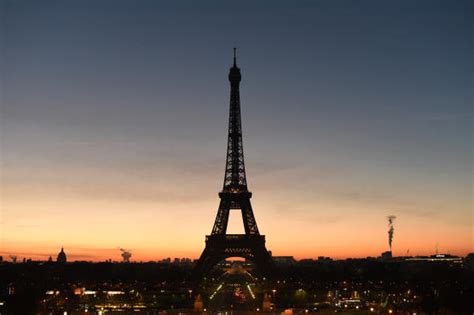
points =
(215, 292)
(251, 292)
(437, 258)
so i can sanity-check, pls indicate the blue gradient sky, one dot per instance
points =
(114, 117)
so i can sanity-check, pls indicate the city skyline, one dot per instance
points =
(113, 127)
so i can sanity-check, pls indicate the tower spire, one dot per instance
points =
(235, 57)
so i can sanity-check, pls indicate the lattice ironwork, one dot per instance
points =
(235, 179)
(235, 196)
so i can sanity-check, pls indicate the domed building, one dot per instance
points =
(62, 259)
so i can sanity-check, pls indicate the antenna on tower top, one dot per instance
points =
(235, 57)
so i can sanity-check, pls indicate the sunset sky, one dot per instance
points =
(114, 125)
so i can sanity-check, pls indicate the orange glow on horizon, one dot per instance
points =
(100, 211)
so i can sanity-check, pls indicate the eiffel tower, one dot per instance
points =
(234, 196)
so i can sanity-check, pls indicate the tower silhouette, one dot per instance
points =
(234, 196)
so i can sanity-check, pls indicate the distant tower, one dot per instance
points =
(62, 259)
(234, 196)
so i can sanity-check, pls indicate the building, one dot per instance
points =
(324, 259)
(386, 255)
(62, 258)
(284, 260)
(469, 261)
(438, 258)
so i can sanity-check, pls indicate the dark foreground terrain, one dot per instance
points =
(349, 286)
